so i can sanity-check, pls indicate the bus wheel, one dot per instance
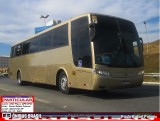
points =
(20, 82)
(63, 83)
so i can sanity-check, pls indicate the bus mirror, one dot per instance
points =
(92, 32)
(141, 41)
(91, 25)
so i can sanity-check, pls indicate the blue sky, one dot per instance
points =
(18, 18)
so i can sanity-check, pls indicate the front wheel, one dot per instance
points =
(63, 83)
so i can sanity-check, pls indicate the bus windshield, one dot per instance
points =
(117, 43)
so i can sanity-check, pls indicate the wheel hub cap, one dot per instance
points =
(63, 83)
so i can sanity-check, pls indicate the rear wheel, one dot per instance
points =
(63, 83)
(19, 81)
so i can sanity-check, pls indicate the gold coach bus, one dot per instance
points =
(91, 51)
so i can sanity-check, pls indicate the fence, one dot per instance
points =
(154, 75)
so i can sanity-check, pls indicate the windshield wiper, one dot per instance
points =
(118, 50)
(120, 39)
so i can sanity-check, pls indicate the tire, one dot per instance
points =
(63, 83)
(19, 81)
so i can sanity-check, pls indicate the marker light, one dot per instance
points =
(140, 73)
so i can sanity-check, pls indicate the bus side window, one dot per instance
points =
(25, 48)
(84, 48)
(12, 52)
(78, 40)
(18, 50)
(34, 45)
(45, 40)
(60, 36)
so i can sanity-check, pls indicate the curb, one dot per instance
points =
(151, 82)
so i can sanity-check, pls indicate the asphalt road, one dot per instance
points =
(48, 99)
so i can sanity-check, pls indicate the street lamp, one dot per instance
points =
(44, 17)
(146, 34)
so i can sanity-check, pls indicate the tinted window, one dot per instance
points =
(25, 47)
(106, 35)
(80, 34)
(12, 52)
(84, 49)
(18, 50)
(45, 40)
(114, 43)
(54, 38)
(34, 46)
(60, 36)
(127, 26)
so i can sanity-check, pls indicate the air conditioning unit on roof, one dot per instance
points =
(53, 22)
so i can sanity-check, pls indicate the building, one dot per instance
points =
(4, 63)
(39, 29)
(47, 25)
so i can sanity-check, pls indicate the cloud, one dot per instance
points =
(19, 18)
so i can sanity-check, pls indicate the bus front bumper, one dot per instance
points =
(105, 83)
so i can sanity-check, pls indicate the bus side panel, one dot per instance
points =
(42, 67)
(12, 69)
(15, 65)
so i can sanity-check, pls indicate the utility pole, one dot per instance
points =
(146, 35)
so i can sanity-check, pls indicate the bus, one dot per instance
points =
(91, 51)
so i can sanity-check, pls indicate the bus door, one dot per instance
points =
(81, 50)
(84, 70)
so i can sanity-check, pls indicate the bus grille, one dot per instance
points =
(125, 75)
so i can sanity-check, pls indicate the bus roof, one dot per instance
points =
(55, 26)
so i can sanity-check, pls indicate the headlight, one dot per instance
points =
(140, 73)
(100, 72)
